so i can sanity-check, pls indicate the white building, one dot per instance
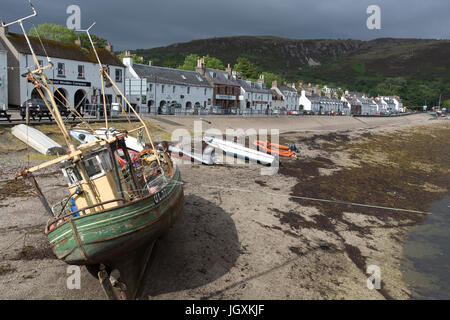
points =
(75, 71)
(183, 89)
(323, 105)
(304, 102)
(289, 94)
(3, 79)
(394, 104)
(255, 96)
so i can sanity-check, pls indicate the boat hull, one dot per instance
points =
(106, 236)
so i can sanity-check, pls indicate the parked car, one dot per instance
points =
(38, 108)
(276, 111)
(34, 107)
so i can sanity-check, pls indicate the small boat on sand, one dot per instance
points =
(240, 151)
(274, 148)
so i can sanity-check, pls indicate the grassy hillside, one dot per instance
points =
(416, 69)
(268, 53)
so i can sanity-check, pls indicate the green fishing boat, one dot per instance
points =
(102, 236)
(120, 200)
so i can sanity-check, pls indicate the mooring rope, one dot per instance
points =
(310, 198)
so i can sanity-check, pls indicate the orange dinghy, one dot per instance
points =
(274, 148)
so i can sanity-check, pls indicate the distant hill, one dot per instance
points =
(416, 69)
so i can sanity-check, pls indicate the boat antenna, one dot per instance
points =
(42, 82)
(43, 47)
(19, 22)
(104, 74)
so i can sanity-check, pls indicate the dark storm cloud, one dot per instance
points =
(145, 24)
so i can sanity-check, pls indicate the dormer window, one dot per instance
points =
(183, 76)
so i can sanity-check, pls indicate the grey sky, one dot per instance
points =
(136, 24)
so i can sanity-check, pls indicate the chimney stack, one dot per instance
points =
(274, 84)
(229, 70)
(150, 63)
(261, 79)
(127, 59)
(201, 66)
(78, 42)
(109, 47)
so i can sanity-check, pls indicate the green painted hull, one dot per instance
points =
(111, 235)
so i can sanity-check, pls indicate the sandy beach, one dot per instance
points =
(244, 235)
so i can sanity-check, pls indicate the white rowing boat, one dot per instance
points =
(238, 150)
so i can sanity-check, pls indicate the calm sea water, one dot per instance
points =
(426, 263)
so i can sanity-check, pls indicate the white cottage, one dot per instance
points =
(255, 96)
(181, 90)
(289, 94)
(75, 72)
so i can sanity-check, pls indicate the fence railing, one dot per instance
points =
(97, 111)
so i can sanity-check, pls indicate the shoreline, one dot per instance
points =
(235, 245)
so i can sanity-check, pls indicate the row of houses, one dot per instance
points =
(161, 88)
(326, 100)
(75, 78)
(76, 81)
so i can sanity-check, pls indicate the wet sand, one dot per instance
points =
(241, 235)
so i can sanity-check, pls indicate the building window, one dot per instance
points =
(61, 70)
(205, 91)
(173, 90)
(150, 87)
(118, 75)
(188, 90)
(41, 63)
(162, 88)
(80, 72)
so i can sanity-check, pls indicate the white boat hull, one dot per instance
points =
(237, 150)
(37, 140)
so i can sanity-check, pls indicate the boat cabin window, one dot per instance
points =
(96, 166)
(93, 167)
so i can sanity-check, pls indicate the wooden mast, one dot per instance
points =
(105, 74)
(53, 108)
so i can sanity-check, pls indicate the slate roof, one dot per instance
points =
(286, 88)
(252, 86)
(353, 101)
(62, 50)
(221, 77)
(323, 99)
(170, 76)
(2, 48)
(276, 94)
